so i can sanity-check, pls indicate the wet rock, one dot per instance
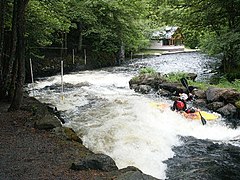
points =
(215, 94)
(200, 94)
(175, 88)
(237, 104)
(215, 105)
(144, 89)
(163, 92)
(231, 96)
(133, 175)
(46, 121)
(66, 133)
(227, 110)
(146, 79)
(42, 118)
(95, 162)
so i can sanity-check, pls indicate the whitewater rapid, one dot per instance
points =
(112, 119)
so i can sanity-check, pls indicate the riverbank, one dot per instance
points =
(30, 153)
(165, 50)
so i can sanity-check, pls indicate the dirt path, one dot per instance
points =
(28, 153)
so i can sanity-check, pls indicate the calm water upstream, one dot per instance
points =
(114, 120)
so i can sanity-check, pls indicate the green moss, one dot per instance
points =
(237, 104)
(147, 70)
(71, 135)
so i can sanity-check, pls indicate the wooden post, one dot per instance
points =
(31, 70)
(62, 79)
(85, 57)
(73, 56)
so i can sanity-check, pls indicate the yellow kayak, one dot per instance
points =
(194, 116)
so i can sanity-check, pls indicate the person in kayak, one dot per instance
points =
(181, 105)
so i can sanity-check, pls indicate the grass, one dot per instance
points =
(223, 83)
(175, 77)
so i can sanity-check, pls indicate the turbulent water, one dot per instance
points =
(114, 120)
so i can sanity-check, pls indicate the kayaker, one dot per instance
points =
(181, 105)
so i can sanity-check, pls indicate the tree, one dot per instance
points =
(214, 23)
(20, 54)
(13, 64)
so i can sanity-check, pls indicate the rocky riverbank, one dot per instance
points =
(225, 101)
(35, 145)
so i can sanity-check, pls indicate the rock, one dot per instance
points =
(199, 103)
(146, 79)
(227, 110)
(191, 76)
(95, 162)
(200, 94)
(175, 88)
(215, 94)
(47, 121)
(231, 96)
(237, 104)
(144, 89)
(42, 118)
(67, 134)
(163, 92)
(133, 175)
(215, 105)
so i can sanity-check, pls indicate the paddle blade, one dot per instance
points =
(184, 82)
(203, 119)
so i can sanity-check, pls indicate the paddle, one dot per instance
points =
(203, 119)
(185, 84)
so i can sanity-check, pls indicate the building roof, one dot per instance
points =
(165, 33)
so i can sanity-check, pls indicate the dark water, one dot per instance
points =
(202, 159)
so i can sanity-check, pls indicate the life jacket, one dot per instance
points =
(180, 105)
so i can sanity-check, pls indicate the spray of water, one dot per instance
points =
(112, 119)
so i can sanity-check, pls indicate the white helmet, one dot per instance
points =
(183, 96)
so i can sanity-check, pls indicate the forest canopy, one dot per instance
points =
(109, 30)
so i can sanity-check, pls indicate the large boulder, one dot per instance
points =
(67, 133)
(231, 96)
(215, 105)
(200, 94)
(215, 94)
(175, 88)
(152, 80)
(42, 118)
(228, 110)
(95, 162)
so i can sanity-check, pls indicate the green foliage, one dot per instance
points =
(214, 23)
(224, 83)
(147, 70)
(175, 77)
(44, 18)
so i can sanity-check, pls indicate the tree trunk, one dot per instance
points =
(2, 22)
(7, 68)
(20, 55)
(80, 40)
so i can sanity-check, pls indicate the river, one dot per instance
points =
(112, 119)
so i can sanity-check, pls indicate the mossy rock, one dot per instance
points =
(71, 135)
(237, 104)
